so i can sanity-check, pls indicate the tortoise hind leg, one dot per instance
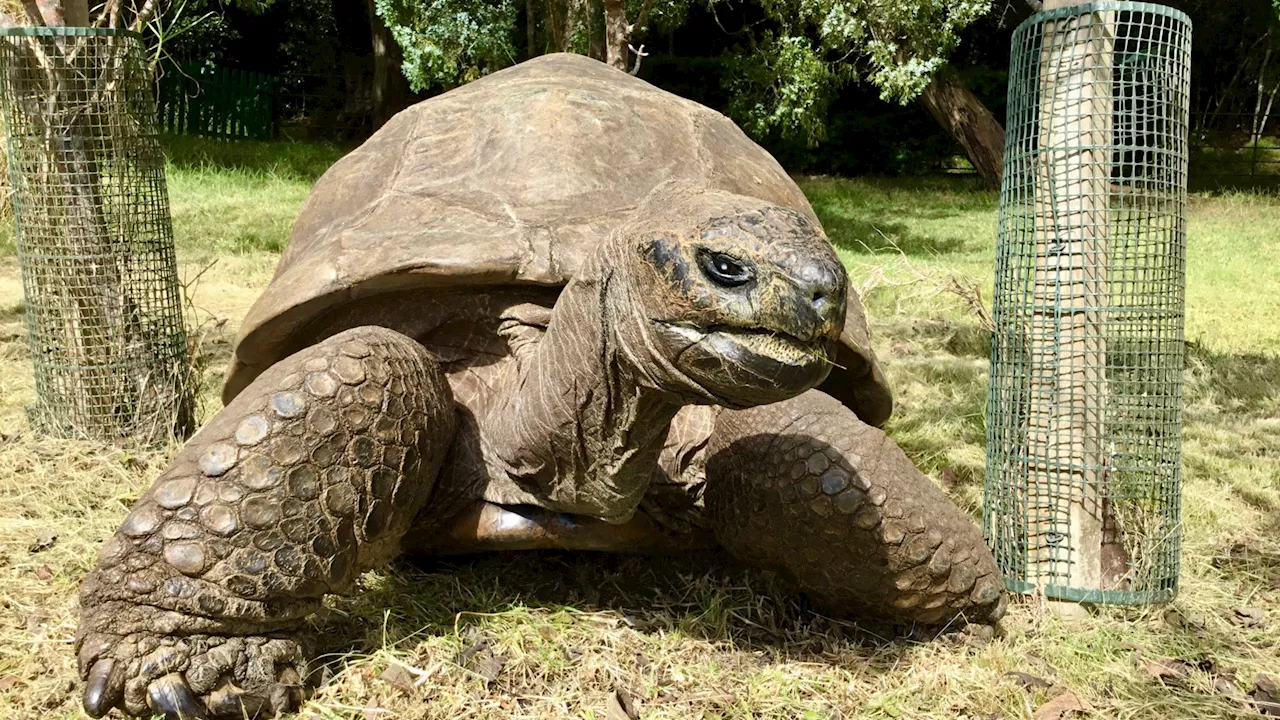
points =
(805, 488)
(308, 477)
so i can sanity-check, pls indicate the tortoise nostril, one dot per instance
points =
(818, 298)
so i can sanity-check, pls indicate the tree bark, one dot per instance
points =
(571, 12)
(617, 33)
(966, 119)
(530, 29)
(595, 31)
(1069, 350)
(72, 13)
(390, 88)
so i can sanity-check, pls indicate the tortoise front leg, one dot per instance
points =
(308, 477)
(805, 488)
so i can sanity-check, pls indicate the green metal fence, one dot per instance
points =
(200, 99)
(1084, 426)
(95, 241)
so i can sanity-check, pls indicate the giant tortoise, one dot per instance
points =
(554, 308)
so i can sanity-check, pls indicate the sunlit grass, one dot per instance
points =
(693, 637)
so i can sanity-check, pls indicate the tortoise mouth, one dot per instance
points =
(747, 366)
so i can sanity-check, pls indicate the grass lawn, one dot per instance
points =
(557, 635)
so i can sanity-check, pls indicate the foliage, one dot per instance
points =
(782, 84)
(816, 46)
(451, 42)
(782, 77)
(661, 16)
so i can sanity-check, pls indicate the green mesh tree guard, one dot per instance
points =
(1084, 407)
(94, 236)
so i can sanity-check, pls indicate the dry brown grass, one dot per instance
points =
(556, 636)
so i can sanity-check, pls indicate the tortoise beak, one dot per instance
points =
(805, 302)
(744, 367)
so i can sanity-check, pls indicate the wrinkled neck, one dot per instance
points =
(575, 426)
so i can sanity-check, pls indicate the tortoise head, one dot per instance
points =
(738, 302)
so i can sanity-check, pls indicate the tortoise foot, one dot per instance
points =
(304, 480)
(192, 676)
(805, 488)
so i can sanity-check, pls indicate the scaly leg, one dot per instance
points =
(308, 477)
(805, 488)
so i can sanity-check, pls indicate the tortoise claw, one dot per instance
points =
(171, 696)
(103, 688)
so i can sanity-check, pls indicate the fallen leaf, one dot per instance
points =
(948, 478)
(1028, 680)
(1061, 707)
(326, 676)
(1167, 670)
(1230, 556)
(397, 676)
(1249, 617)
(1266, 696)
(547, 632)
(488, 666)
(44, 572)
(621, 707)
(8, 681)
(1181, 619)
(45, 538)
(467, 654)
(572, 654)
(1225, 684)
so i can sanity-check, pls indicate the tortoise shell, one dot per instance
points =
(513, 180)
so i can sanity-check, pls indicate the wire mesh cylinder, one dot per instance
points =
(94, 235)
(1084, 407)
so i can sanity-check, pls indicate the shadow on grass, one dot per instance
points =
(868, 215)
(14, 313)
(1242, 383)
(703, 596)
(292, 160)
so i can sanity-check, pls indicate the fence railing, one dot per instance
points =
(217, 102)
(1231, 150)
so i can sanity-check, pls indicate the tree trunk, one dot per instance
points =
(390, 88)
(616, 33)
(571, 12)
(531, 29)
(595, 31)
(72, 13)
(966, 119)
(1069, 351)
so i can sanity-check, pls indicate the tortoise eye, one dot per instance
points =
(724, 270)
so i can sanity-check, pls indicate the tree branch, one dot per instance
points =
(642, 18)
(33, 13)
(555, 27)
(144, 15)
(640, 55)
(108, 15)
